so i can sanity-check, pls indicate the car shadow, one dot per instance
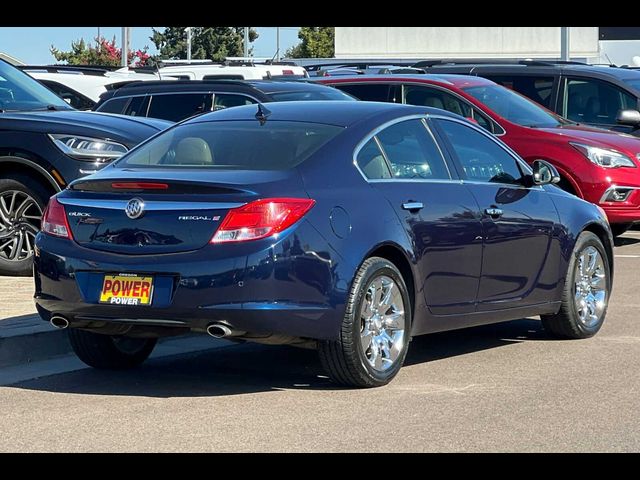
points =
(251, 368)
(624, 241)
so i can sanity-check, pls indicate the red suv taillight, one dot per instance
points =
(54, 220)
(261, 219)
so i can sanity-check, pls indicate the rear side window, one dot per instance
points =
(537, 88)
(225, 100)
(412, 152)
(179, 106)
(241, 145)
(371, 161)
(114, 105)
(378, 92)
(73, 98)
(137, 106)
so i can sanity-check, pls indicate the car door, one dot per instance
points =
(518, 221)
(440, 215)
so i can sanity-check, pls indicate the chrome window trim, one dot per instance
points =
(148, 205)
(373, 135)
(525, 168)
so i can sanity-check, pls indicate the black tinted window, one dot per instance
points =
(301, 95)
(73, 98)
(245, 145)
(137, 106)
(412, 152)
(378, 92)
(481, 157)
(176, 107)
(115, 105)
(593, 101)
(371, 161)
(537, 88)
(225, 100)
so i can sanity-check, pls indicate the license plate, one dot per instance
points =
(126, 289)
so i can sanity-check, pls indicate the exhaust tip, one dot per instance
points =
(59, 322)
(219, 330)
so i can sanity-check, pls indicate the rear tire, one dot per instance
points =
(583, 308)
(374, 336)
(110, 352)
(24, 189)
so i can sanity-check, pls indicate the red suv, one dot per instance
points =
(600, 166)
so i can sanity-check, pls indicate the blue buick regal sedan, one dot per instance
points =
(347, 226)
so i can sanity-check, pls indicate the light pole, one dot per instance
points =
(188, 43)
(125, 47)
(565, 53)
(246, 41)
(277, 44)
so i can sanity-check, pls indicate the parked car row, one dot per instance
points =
(348, 226)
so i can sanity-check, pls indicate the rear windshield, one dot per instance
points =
(324, 94)
(242, 145)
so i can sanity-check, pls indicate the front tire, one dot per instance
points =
(110, 352)
(586, 291)
(22, 201)
(374, 336)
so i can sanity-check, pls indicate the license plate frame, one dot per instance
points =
(131, 289)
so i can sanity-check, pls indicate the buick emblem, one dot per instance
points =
(135, 208)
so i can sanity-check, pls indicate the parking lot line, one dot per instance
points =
(627, 256)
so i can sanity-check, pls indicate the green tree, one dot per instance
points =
(316, 42)
(103, 52)
(214, 43)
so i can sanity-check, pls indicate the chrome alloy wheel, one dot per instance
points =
(382, 323)
(20, 217)
(591, 293)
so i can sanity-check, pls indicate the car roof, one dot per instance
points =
(264, 86)
(445, 79)
(330, 112)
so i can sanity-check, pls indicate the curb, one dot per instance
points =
(32, 346)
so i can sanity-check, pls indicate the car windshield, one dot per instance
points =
(241, 145)
(634, 82)
(19, 91)
(302, 95)
(515, 107)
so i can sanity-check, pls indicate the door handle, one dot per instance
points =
(412, 206)
(493, 212)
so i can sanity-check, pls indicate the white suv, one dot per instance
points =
(233, 68)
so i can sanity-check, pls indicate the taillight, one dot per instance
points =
(287, 72)
(261, 219)
(54, 220)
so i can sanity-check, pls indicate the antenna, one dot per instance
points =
(262, 114)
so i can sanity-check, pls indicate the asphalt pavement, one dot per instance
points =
(506, 387)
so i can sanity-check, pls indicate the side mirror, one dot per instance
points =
(544, 173)
(628, 117)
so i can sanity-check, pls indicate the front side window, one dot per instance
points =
(240, 145)
(437, 98)
(594, 101)
(482, 159)
(137, 106)
(20, 92)
(179, 106)
(412, 152)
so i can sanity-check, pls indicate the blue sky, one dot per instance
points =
(31, 44)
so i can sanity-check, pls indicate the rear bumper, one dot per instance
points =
(259, 287)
